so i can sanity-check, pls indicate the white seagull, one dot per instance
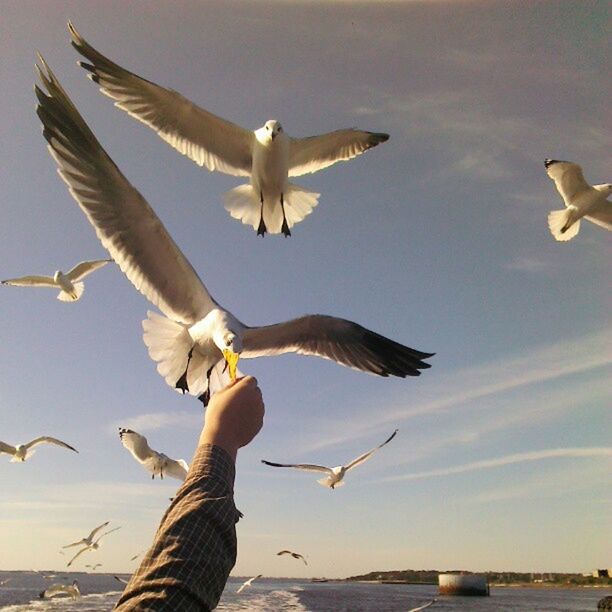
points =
(293, 554)
(335, 475)
(71, 289)
(93, 546)
(54, 590)
(269, 202)
(424, 606)
(581, 200)
(89, 539)
(196, 334)
(248, 583)
(3, 582)
(154, 462)
(121, 580)
(21, 452)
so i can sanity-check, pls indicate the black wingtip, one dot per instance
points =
(550, 162)
(377, 137)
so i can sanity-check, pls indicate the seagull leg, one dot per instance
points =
(285, 227)
(181, 383)
(262, 229)
(205, 397)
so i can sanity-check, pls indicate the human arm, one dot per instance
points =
(195, 546)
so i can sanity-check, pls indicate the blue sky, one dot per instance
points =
(437, 238)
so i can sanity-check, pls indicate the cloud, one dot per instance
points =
(597, 451)
(152, 421)
(461, 389)
(528, 264)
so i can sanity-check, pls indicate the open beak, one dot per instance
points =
(231, 359)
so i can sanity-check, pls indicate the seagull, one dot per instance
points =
(269, 202)
(61, 589)
(581, 200)
(3, 582)
(248, 583)
(89, 539)
(135, 557)
(93, 546)
(335, 475)
(154, 462)
(70, 289)
(121, 580)
(293, 554)
(94, 567)
(21, 452)
(197, 337)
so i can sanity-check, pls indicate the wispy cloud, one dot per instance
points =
(152, 421)
(529, 264)
(552, 453)
(460, 389)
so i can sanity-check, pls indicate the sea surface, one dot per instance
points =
(101, 591)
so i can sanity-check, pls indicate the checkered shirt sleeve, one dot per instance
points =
(195, 545)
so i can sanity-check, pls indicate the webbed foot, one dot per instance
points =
(262, 229)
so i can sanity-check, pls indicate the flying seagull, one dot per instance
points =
(121, 580)
(581, 200)
(293, 554)
(21, 452)
(93, 546)
(335, 475)
(71, 289)
(72, 590)
(269, 202)
(3, 582)
(423, 607)
(94, 567)
(197, 337)
(89, 539)
(248, 583)
(154, 462)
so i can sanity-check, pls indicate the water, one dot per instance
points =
(101, 591)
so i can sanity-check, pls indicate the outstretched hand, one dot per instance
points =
(234, 416)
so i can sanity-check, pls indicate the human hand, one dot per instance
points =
(234, 416)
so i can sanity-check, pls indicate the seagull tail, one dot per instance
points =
(558, 221)
(299, 203)
(243, 204)
(169, 344)
(326, 482)
(64, 296)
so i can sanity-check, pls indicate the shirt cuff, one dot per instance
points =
(211, 461)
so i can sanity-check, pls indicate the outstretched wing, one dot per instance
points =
(81, 270)
(366, 456)
(601, 213)
(568, 178)
(317, 152)
(78, 555)
(124, 222)
(7, 448)
(31, 281)
(341, 341)
(91, 536)
(136, 444)
(177, 468)
(49, 440)
(307, 467)
(205, 138)
(107, 532)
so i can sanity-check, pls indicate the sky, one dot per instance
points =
(437, 239)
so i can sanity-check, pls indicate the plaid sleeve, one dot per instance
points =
(195, 545)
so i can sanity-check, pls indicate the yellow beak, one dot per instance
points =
(231, 359)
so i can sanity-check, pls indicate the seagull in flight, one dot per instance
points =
(21, 452)
(71, 289)
(580, 198)
(93, 546)
(335, 475)
(293, 554)
(3, 582)
(197, 337)
(94, 567)
(121, 580)
(89, 539)
(268, 156)
(54, 590)
(248, 583)
(423, 607)
(154, 462)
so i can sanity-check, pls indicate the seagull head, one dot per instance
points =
(58, 274)
(230, 344)
(269, 131)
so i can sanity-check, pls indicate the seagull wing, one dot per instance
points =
(283, 552)
(31, 281)
(341, 341)
(122, 580)
(49, 440)
(177, 468)
(107, 532)
(307, 467)
(7, 448)
(92, 535)
(568, 178)
(136, 444)
(85, 268)
(317, 152)
(366, 456)
(78, 555)
(601, 214)
(124, 222)
(205, 138)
